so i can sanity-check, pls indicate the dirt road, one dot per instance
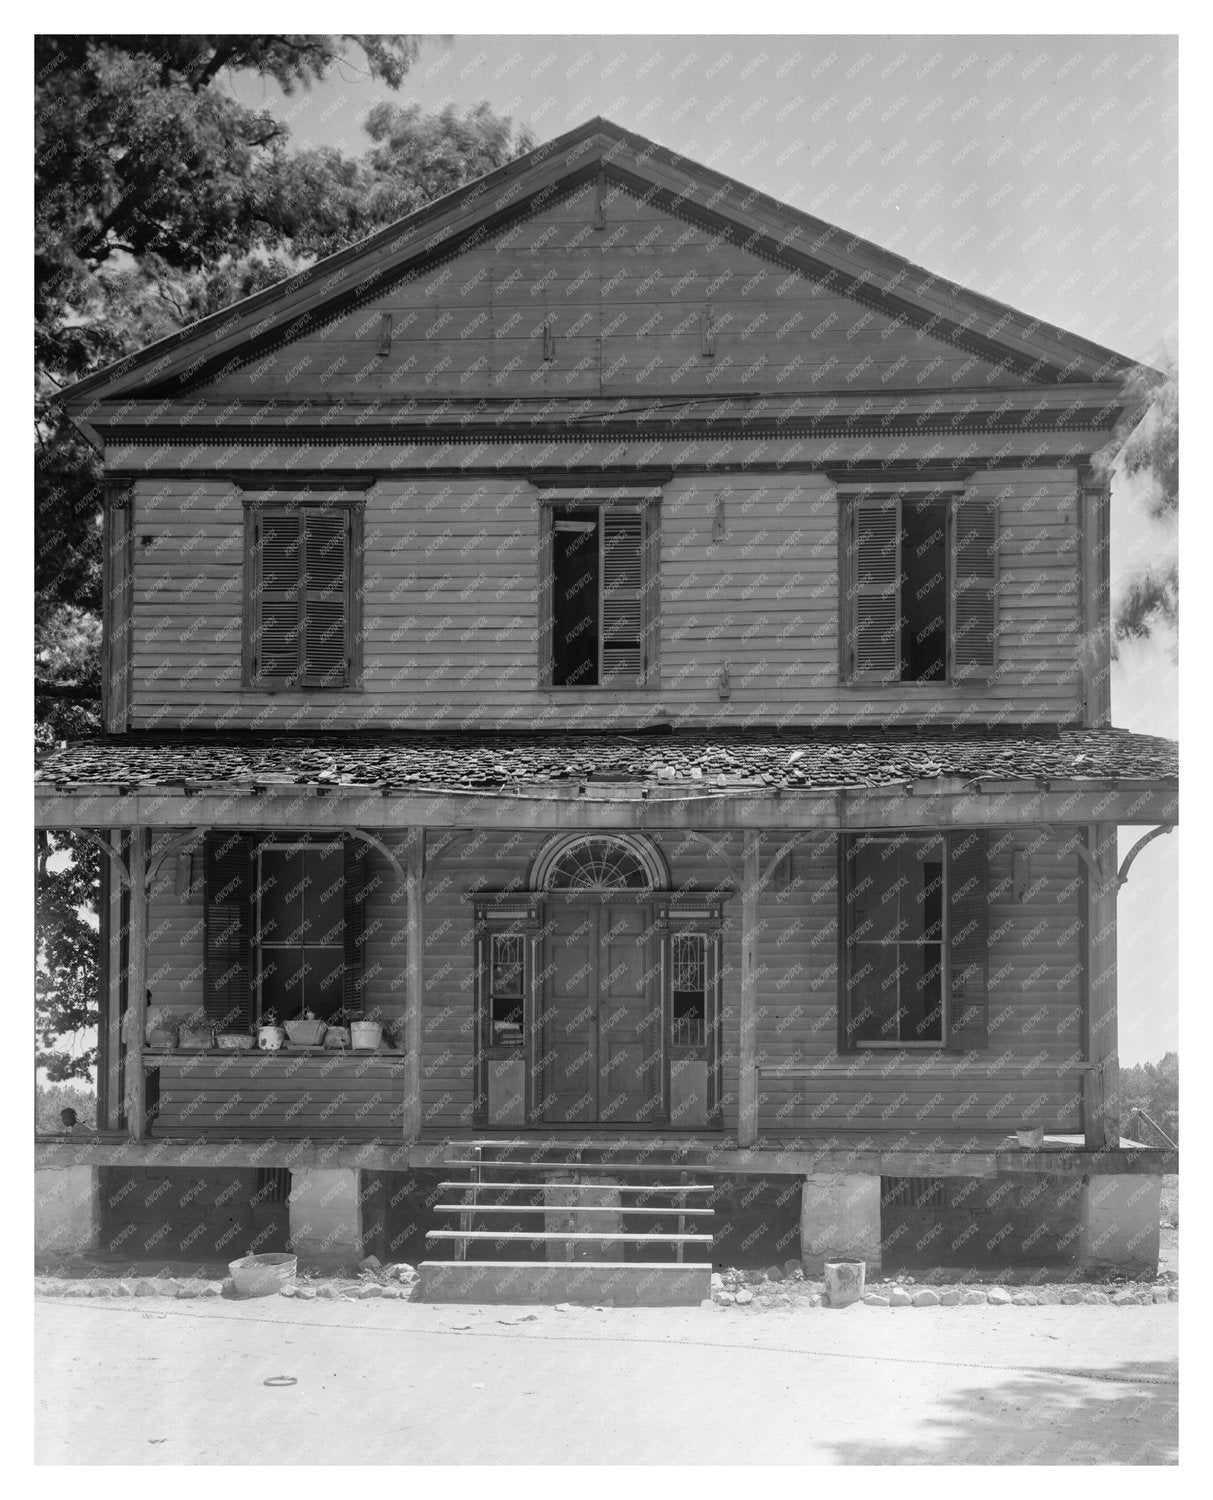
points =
(160, 1382)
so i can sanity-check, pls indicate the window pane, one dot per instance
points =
(873, 892)
(922, 993)
(506, 978)
(280, 896)
(921, 902)
(322, 991)
(872, 990)
(281, 982)
(322, 898)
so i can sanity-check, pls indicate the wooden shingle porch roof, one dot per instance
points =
(641, 763)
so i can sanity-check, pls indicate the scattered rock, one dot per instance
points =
(744, 1296)
(564, 1307)
(1048, 1296)
(875, 1299)
(370, 1263)
(124, 1289)
(307, 1293)
(717, 1281)
(1025, 1299)
(1096, 1298)
(973, 1298)
(286, 1291)
(402, 1271)
(395, 1292)
(144, 1289)
(326, 1291)
(1159, 1294)
(707, 1302)
(1127, 1298)
(792, 1268)
(212, 1289)
(726, 1299)
(189, 1289)
(950, 1298)
(1173, 1294)
(998, 1296)
(1072, 1296)
(899, 1297)
(774, 1273)
(371, 1289)
(925, 1298)
(815, 1300)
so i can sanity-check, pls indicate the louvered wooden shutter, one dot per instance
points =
(325, 651)
(974, 594)
(622, 596)
(876, 581)
(227, 947)
(276, 648)
(968, 939)
(355, 926)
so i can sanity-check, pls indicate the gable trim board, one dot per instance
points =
(460, 221)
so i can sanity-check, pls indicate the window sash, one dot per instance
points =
(865, 951)
(265, 949)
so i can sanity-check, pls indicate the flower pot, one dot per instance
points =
(336, 1037)
(306, 1033)
(235, 1041)
(197, 1038)
(366, 1035)
(162, 1037)
(262, 1275)
(844, 1281)
(1030, 1140)
(270, 1038)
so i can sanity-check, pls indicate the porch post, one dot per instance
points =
(747, 1073)
(414, 981)
(1101, 1087)
(136, 987)
(109, 1030)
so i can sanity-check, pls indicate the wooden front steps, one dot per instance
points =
(581, 1215)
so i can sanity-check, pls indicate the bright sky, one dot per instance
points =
(1039, 170)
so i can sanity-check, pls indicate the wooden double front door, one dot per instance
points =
(601, 1033)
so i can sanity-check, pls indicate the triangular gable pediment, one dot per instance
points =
(455, 300)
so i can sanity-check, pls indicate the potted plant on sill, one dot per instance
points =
(366, 1032)
(270, 1036)
(306, 1030)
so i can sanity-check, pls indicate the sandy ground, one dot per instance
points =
(159, 1382)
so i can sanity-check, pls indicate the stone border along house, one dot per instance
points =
(649, 650)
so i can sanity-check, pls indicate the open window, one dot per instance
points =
(920, 582)
(916, 921)
(599, 593)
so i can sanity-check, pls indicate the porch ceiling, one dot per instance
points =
(802, 778)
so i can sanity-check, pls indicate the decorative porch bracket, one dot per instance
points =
(1147, 838)
(755, 879)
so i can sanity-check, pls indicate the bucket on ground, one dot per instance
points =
(844, 1281)
(261, 1275)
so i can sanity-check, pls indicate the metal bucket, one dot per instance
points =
(262, 1275)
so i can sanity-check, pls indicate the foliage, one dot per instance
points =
(160, 198)
(1153, 1087)
(1150, 599)
(66, 966)
(50, 1101)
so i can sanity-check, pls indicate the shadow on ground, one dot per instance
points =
(1125, 1414)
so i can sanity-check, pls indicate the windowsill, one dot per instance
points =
(286, 1050)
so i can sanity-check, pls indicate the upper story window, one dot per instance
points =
(300, 594)
(920, 585)
(599, 592)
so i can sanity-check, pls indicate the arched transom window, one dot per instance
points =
(599, 862)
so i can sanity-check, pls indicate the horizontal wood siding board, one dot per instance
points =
(451, 612)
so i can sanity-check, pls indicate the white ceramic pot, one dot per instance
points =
(270, 1038)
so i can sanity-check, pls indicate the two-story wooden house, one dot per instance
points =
(648, 649)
